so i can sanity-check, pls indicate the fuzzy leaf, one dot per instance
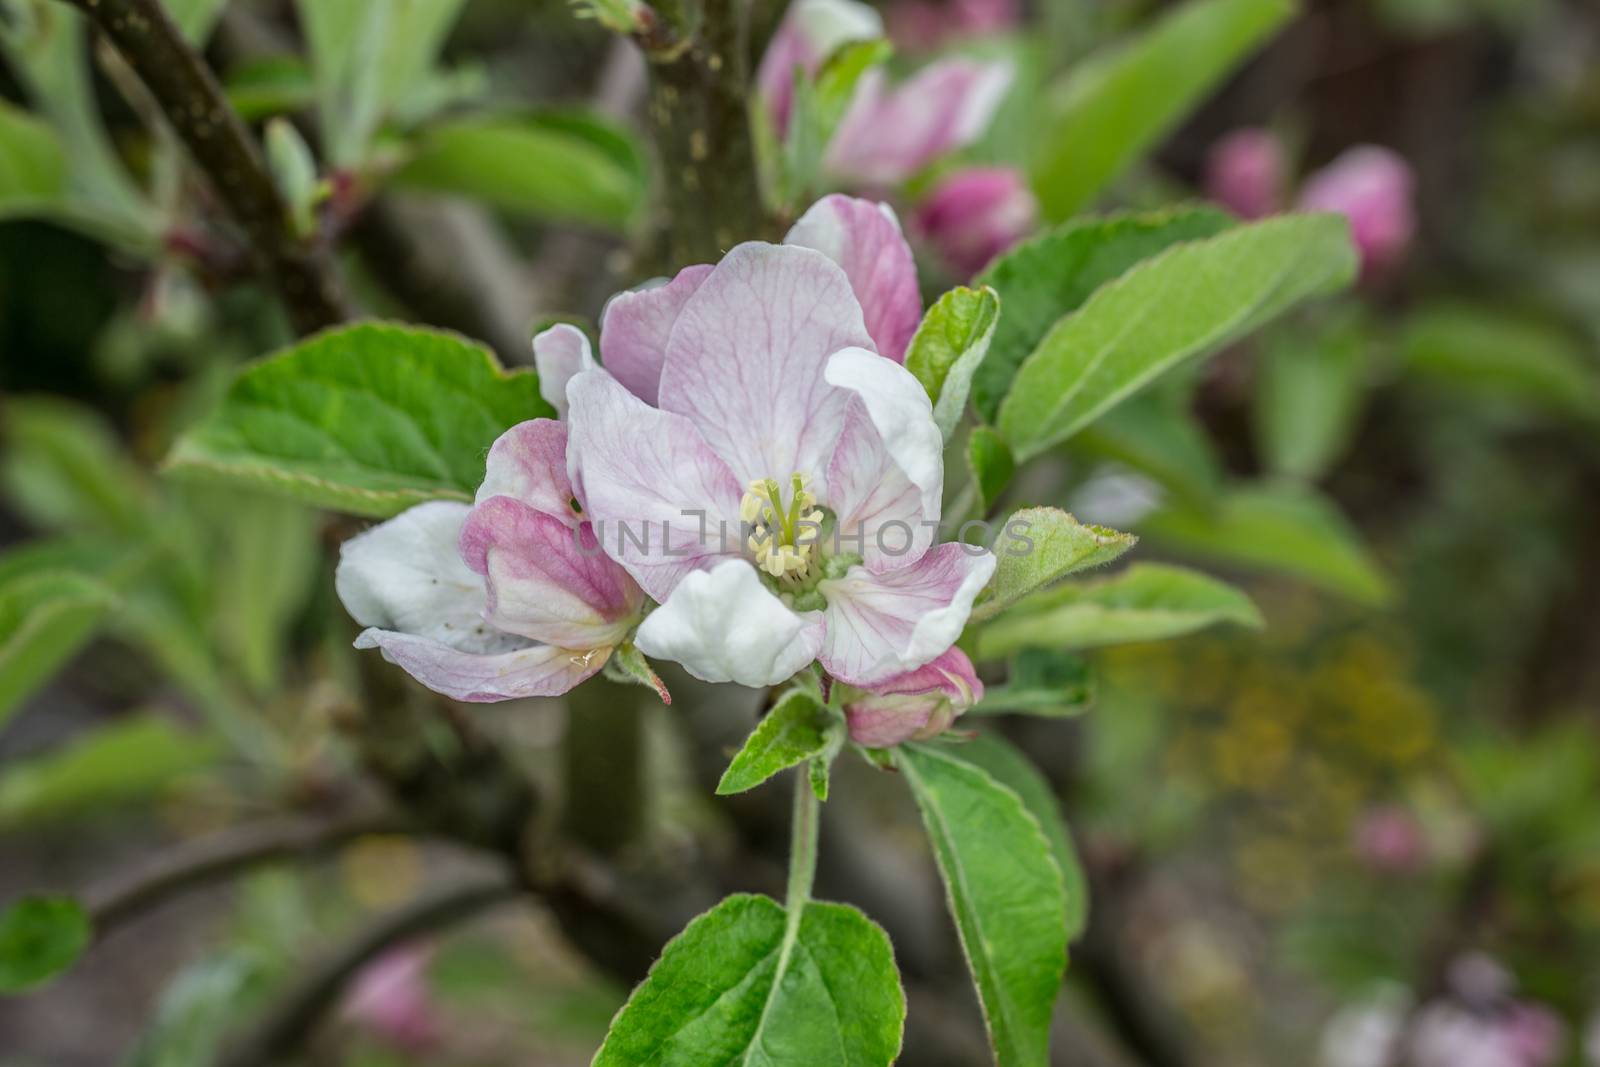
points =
(1146, 602)
(1038, 546)
(1050, 275)
(628, 665)
(1005, 893)
(949, 347)
(991, 464)
(738, 986)
(39, 938)
(368, 419)
(794, 731)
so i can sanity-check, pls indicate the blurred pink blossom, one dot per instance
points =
(1373, 188)
(924, 25)
(1390, 840)
(1246, 173)
(390, 998)
(975, 214)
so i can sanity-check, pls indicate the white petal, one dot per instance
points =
(528, 671)
(559, 354)
(723, 625)
(881, 625)
(407, 575)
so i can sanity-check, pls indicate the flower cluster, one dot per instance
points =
(717, 491)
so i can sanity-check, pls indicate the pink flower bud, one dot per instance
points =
(1245, 173)
(1372, 187)
(975, 214)
(925, 25)
(390, 998)
(916, 705)
(1389, 840)
(1533, 1034)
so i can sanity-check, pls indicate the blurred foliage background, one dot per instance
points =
(1381, 810)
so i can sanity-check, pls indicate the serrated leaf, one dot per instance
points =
(795, 730)
(45, 617)
(949, 347)
(1041, 682)
(627, 664)
(991, 465)
(1190, 300)
(1046, 277)
(368, 419)
(1285, 529)
(1005, 893)
(1308, 391)
(1038, 546)
(1007, 765)
(33, 164)
(128, 760)
(1117, 104)
(742, 986)
(39, 938)
(554, 165)
(1146, 602)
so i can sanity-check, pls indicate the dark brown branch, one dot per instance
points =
(281, 1033)
(192, 865)
(192, 101)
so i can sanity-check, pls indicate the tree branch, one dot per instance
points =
(192, 101)
(280, 1034)
(194, 864)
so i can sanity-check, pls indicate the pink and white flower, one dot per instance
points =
(756, 457)
(975, 214)
(916, 705)
(888, 133)
(1372, 187)
(508, 597)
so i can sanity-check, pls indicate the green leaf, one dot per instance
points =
(1005, 892)
(65, 468)
(1155, 435)
(991, 464)
(1503, 356)
(368, 419)
(33, 164)
(125, 762)
(39, 938)
(1044, 278)
(1116, 105)
(628, 665)
(949, 347)
(45, 617)
(1190, 300)
(1286, 529)
(196, 18)
(795, 730)
(1309, 388)
(1146, 602)
(555, 165)
(817, 107)
(270, 85)
(1042, 682)
(1008, 766)
(740, 985)
(1041, 545)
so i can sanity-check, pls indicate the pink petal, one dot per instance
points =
(916, 705)
(723, 625)
(529, 671)
(745, 362)
(559, 353)
(1245, 173)
(882, 625)
(888, 135)
(1372, 187)
(886, 476)
(547, 580)
(662, 503)
(810, 32)
(864, 238)
(529, 463)
(635, 326)
(975, 214)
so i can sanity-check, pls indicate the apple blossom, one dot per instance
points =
(888, 133)
(916, 705)
(976, 213)
(755, 455)
(389, 997)
(502, 599)
(923, 25)
(1372, 187)
(1246, 173)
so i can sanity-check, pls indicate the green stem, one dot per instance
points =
(802, 847)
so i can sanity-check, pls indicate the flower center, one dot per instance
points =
(783, 537)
